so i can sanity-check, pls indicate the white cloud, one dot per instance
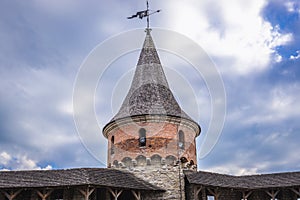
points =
(234, 30)
(289, 6)
(269, 105)
(278, 58)
(19, 162)
(56, 7)
(233, 169)
(66, 108)
(292, 6)
(5, 158)
(295, 57)
(281, 104)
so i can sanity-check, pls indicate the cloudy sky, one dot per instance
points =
(255, 45)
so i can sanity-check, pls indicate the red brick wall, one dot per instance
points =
(161, 139)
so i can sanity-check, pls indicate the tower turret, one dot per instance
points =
(150, 130)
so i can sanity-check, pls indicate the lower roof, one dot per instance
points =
(98, 177)
(262, 181)
(105, 177)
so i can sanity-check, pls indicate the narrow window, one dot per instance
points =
(142, 137)
(112, 141)
(181, 139)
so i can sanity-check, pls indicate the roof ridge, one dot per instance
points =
(247, 175)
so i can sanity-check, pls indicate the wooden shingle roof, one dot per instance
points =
(149, 93)
(100, 177)
(276, 180)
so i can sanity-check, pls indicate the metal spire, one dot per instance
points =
(145, 13)
(148, 15)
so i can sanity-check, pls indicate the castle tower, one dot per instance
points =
(151, 132)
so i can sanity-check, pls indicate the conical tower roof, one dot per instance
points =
(149, 93)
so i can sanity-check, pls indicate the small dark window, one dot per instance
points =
(112, 149)
(142, 137)
(181, 139)
(112, 139)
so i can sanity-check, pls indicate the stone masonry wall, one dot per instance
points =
(167, 178)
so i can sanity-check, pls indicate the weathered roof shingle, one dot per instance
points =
(276, 180)
(73, 177)
(149, 93)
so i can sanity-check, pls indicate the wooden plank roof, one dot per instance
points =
(99, 177)
(262, 181)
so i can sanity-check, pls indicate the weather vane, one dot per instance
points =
(144, 13)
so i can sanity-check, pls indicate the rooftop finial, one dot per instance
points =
(145, 13)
